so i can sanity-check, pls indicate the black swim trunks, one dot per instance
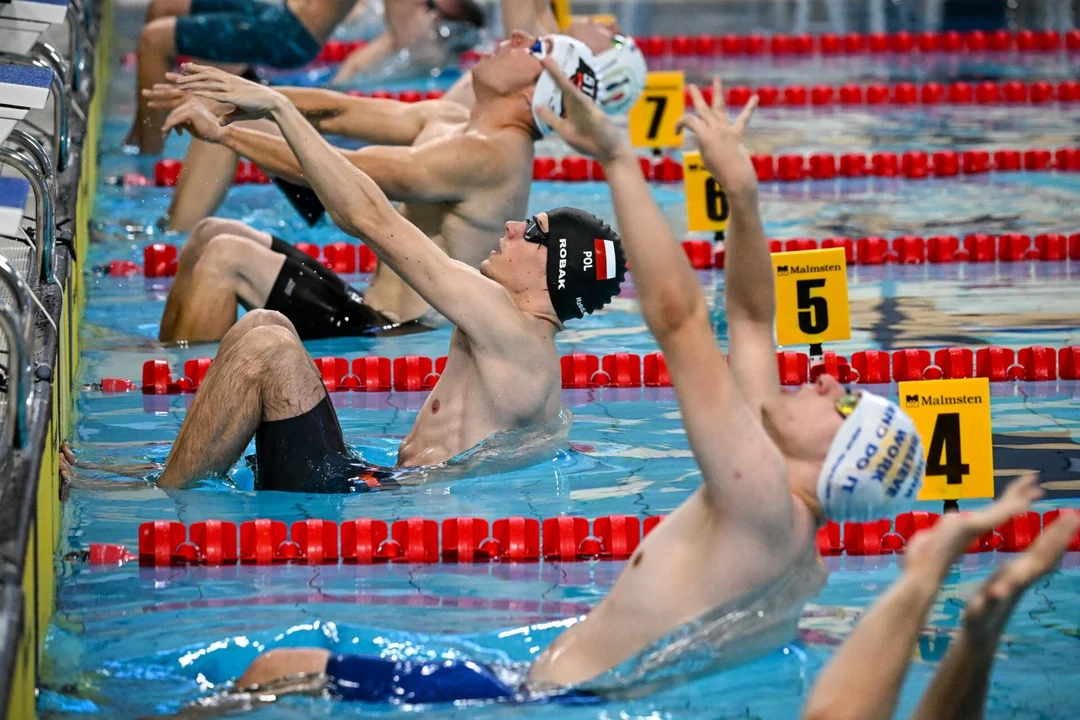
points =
(307, 453)
(303, 199)
(322, 305)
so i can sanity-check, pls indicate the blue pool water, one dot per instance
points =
(132, 641)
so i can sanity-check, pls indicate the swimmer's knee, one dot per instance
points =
(156, 36)
(222, 255)
(200, 236)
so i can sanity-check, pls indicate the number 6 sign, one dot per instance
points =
(706, 204)
(953, 417)
(811, 296)
(654, 117)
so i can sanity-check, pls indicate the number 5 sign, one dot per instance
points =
(953, 417)
(811, 296)
(654, 117)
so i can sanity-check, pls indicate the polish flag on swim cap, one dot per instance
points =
(605, 259)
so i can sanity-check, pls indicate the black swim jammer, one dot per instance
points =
(307, 453)
(322, 305)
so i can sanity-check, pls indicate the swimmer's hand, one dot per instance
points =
(167, 96)
(192, 116)
(721, 141)
(250, 99)
(586, 127)
(934, 551)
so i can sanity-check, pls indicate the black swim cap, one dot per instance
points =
(585, 264)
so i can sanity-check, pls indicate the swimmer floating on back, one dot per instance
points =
(502, 371)
(460, 174)
(725, 576)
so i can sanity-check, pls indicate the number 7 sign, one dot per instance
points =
(656, 114)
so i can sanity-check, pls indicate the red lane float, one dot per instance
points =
(565, 538)
(582, 371)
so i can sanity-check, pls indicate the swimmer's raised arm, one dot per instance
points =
(851, 688)
(749, 300)
(441, 171)
(533, 16)
(745, 475)
(480, 307)
(373, 120)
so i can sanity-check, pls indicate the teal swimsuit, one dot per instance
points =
(245, 31)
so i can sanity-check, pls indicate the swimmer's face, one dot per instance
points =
(598, 37)
(517, 264)
(803, 423)
(512, 68)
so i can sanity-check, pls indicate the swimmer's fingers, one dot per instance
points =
(701, 108)
(744, 117)
(190, 68)
(718, 103)
(561, 126)
(568, 88)
(1016, 499)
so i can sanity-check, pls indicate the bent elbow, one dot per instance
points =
(674, 312)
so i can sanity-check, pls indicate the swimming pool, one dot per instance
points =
(135, 641)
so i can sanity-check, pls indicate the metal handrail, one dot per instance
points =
(17, 428)
(44, 220)
(51, 55)
(46, 53)
(10, 277)
(36, 150)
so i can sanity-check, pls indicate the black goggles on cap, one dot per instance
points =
(534, 233)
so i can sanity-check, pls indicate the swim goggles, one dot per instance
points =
(533, 232)
(846, 405)
(538, 49)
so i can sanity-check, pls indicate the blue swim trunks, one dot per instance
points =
(254, 32)
(372, 679)
(367, 678)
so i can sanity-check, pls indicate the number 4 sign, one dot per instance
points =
(953, 417)
(811, 296)
(655, 116)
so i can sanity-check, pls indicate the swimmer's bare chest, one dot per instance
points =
(480, 393)
(688, 566)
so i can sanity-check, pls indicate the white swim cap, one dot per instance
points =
(575, 60)
(622, 72)
(875, 459)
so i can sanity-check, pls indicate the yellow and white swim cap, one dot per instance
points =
(576, 61)
(623, 72)
(875, 460)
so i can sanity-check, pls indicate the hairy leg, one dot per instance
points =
(261, 373)
(233, 269)
(190, 254)
(275, 664)
(208, 173)
(156, 50)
